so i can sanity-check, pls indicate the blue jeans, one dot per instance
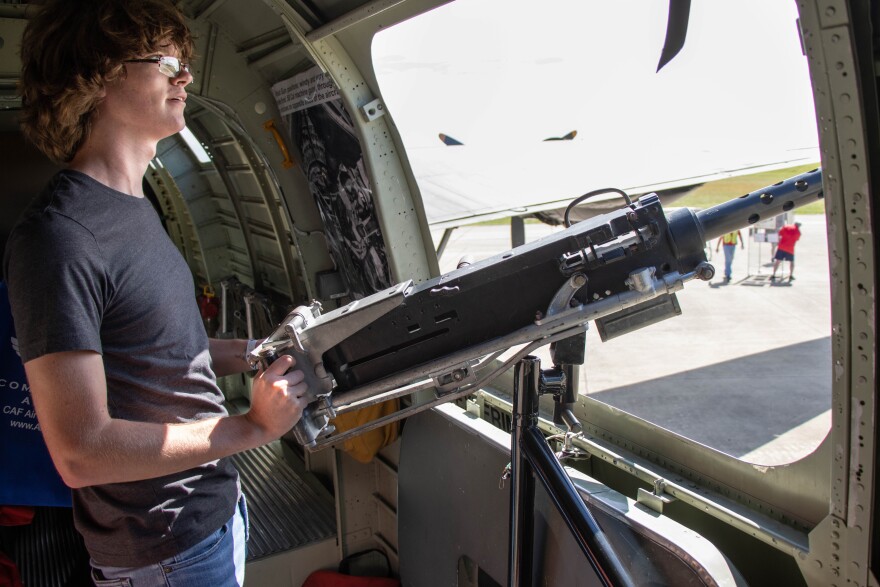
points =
(216, 561)
(729, 252)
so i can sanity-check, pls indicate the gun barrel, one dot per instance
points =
(761, 204)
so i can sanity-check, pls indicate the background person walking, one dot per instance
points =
(788, 236)
(729, 241)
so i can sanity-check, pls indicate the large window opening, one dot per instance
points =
(745, 369)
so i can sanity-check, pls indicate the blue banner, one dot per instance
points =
(27, 475)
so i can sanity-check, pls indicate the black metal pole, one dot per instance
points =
(530, 456)
(589, 536)
(522, 480)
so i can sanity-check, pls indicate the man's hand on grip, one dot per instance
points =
(277, 400)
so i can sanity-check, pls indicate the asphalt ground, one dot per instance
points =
(745, 368)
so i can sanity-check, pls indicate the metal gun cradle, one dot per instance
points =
(619, 269)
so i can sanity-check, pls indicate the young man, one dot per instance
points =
(121, 371)
(788, 237)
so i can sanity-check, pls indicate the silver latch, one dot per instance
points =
(656, 499)
(373, 110)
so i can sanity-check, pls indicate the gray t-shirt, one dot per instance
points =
(90, 268)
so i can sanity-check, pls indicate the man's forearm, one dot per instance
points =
(89, 447)
(130, 451)
(227, 355)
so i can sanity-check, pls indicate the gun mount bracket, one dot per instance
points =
(562, 300)
(454, 378)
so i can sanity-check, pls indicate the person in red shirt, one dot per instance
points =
(788, 236)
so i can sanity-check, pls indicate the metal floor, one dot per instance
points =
(287, 510)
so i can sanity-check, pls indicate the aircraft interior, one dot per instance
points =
(306, 223)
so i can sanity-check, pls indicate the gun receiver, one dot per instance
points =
(620, 269)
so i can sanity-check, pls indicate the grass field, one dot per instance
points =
(717, 192)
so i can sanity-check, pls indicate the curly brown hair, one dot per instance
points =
(72, 48)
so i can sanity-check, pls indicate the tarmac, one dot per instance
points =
(746, 367)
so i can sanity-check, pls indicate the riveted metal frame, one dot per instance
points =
(401, 217)
(842, 71)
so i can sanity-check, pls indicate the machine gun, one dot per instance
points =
(438, 341)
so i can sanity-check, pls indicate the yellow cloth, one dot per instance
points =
(364, 446)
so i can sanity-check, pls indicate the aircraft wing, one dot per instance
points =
(469, 184)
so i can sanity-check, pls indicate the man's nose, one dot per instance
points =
(184, 77)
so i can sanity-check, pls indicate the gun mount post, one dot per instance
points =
(530, 456)
(568, 355)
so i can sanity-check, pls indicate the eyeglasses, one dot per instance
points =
(170, 66)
